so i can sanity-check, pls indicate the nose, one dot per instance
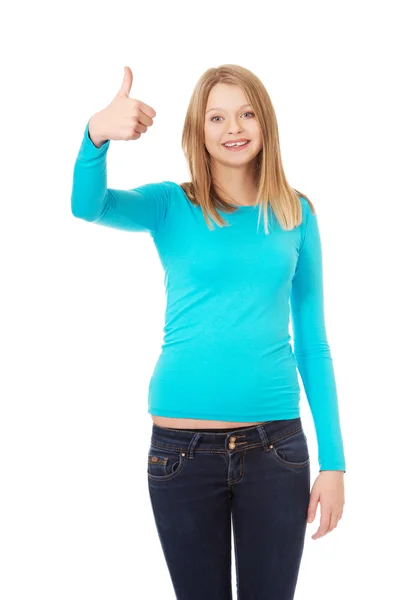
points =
(235, 130)
(235, 127)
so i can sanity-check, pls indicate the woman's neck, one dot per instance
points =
(236, 187)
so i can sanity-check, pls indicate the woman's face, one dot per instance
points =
(229, 117)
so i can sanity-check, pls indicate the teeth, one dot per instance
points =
(237, 144)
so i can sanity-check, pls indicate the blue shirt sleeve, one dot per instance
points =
(311, 348)
(143, 208)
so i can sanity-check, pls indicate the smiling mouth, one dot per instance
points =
(236, 141)
(236, 148)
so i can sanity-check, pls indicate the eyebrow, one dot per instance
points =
(218, 108)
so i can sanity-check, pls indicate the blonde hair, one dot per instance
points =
(273, 187)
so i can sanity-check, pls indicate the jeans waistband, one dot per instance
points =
(235, 440)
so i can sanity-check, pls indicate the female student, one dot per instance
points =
(227, 447)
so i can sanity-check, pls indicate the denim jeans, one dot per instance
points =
(255, 479)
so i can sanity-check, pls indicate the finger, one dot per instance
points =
(145, 119)
(126, 85)
(324, 524)
(139, 128)
(333, 522)
(335, 519)
(312, 507)
(147, 110)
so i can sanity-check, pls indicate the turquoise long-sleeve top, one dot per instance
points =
(230, 293)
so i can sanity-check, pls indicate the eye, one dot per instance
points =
(218, 117)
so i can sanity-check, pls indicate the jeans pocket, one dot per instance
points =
(291, 450)
(164, 464)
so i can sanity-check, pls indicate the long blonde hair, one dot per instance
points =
(273, 187)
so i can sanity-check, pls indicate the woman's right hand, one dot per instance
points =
(124, 118)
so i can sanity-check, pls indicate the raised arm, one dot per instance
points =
(140, 209)
(311, 348)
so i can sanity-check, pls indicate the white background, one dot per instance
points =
(82, 306)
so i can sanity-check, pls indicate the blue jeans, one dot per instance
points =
(255, 478)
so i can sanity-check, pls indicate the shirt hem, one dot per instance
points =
(223, 417)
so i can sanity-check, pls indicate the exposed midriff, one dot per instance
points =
(197, 423)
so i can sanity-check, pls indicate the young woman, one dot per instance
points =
(227, 445)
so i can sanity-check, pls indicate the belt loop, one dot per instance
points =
(192, 445)
(263, 435)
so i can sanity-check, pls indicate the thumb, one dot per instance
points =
(127, 83)
(312, 507)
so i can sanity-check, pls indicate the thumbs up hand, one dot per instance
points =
(124, 118)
